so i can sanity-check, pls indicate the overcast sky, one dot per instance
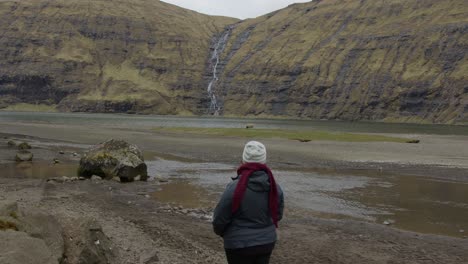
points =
(234, 8)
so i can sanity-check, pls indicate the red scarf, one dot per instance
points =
(244, 172)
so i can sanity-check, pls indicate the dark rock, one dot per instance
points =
(90, 244)
(413, 141)
(61, 152)
(24, 155)
(152, 260)
(114, 158)
(24, 146)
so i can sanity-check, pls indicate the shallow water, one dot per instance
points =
(414, 203)
(153, 121)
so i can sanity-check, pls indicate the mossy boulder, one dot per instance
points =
(114, 158)
(24, 145)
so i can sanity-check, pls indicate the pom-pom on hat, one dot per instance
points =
(254, 151)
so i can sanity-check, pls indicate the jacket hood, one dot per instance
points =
(259, 182)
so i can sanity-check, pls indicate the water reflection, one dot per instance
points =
(184, 193)
(152, 121)
(417, 203)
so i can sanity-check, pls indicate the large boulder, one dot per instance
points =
(114, 158)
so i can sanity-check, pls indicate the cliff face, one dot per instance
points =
(397, 60)
(105, 55)
(392, 60)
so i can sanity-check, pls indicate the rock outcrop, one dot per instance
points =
(105, 55)
(35, 238)
(38, 238)
(114, 158)
(350, 59)
(20, 248)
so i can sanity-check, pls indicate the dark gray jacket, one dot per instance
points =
(251, 225)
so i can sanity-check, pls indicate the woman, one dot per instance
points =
(250, 208)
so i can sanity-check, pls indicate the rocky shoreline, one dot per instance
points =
(114, 222)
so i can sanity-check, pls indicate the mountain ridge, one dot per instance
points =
(394, 61)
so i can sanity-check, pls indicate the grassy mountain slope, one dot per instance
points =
(105, 55)
(394, 60)
(391, 60)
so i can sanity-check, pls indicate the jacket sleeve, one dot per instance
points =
(281, 203)
(222, 215)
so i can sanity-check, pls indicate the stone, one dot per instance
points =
(56, 179)
(20, 248)
(96, 178)
(11, 143)
(56, 161)
(389, 222)
(24, 155)
(75, 154)
(249, 126)
(114, 158)
(413, 141)
(206, 218)
(62, 152)
(24, 145)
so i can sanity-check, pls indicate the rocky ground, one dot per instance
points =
(110, 222)
(68, 220)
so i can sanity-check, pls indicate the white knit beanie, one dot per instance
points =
(254, 151)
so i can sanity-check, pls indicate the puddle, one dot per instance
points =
(186, 194)
(418, 204)
(415, 203)
(37, 170)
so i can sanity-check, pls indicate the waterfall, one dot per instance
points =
(215, 107)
